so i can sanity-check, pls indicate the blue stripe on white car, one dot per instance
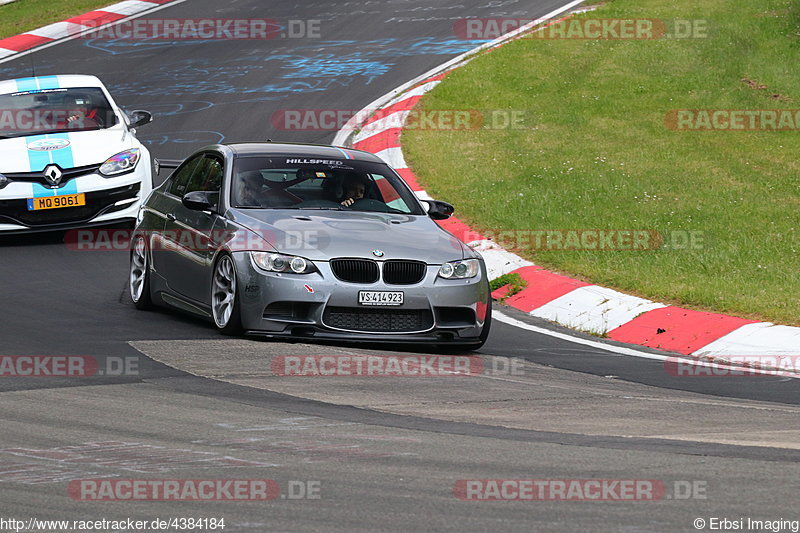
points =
(48, 82)
(63, 156)
(36, 84)
(27, 84)
(70, 188)
(39, 159)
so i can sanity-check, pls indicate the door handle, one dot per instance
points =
(171, 217)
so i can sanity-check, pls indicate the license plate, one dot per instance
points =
(56, 202)
(380, 298)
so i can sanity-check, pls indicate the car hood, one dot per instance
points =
(323, 235)
(67, 150)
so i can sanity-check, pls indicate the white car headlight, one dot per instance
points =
(120, 163)
(273, 262)
(468, 268)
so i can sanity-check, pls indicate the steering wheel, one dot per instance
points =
(318, 203)
(368, 204)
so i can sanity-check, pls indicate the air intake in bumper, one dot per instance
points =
(373, 321)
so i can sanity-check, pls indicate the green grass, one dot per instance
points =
(25, 15)
(514, 281)
(595, 153)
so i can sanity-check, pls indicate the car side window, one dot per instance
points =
(181, 179)
(207, 175)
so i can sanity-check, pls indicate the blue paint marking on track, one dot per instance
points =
(296, 72)
(182, 137)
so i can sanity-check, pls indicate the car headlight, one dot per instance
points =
(3, 181)
(120, 163)
(468, 268)
(282, 263)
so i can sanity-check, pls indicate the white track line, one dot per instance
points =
(622, 350)
(351, 126)
(93, 29)
(619, 350)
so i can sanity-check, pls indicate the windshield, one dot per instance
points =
(304, 183)
(54, 110)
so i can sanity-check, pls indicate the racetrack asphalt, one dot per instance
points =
(394, 473)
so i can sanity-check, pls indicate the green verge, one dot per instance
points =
(514, 281)
(25, 15)
(595, 153)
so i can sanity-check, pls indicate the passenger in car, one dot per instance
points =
(250, 189)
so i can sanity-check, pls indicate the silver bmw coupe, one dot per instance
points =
(306, 241)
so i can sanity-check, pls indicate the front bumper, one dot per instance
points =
(107, 200)
(318, 305)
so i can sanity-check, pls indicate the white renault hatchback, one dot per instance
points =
(69, 156)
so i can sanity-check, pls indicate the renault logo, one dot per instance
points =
(53, 175)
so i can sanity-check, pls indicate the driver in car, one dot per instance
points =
(354, 187)
(83, 115)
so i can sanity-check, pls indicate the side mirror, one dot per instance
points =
(438, 210)
(199, 200)
(140, 117)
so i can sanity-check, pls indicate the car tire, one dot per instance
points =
(139, 275)
(225, 308)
